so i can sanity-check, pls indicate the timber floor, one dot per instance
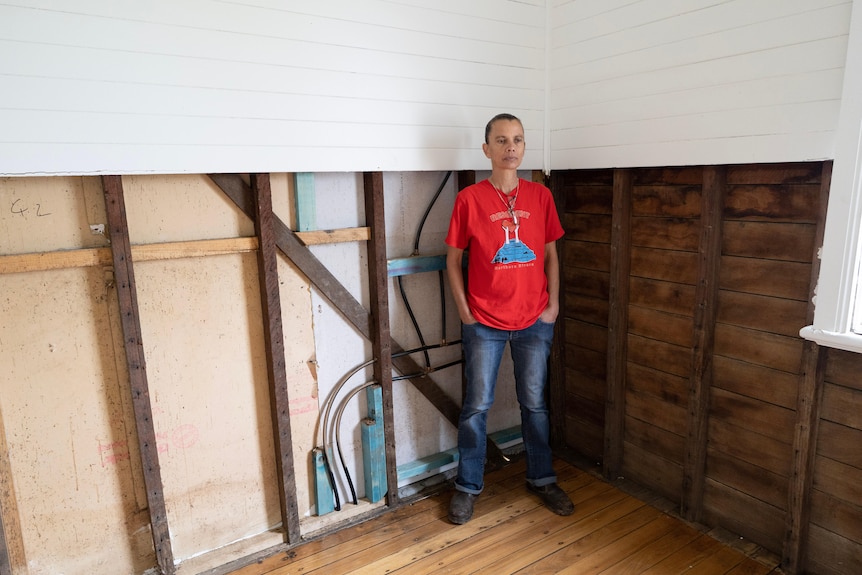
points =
(612, 532)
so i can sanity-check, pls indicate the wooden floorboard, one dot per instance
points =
(611, 533)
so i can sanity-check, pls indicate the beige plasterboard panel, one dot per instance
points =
(66, 414)
(200, 320)
(46, 214)
(179, 208)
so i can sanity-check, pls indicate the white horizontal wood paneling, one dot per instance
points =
(258, 85)
(655, 82)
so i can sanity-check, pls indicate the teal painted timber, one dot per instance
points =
(415, 265)
(324, 499)
(304, 201)
(505, 436)
(426, 464)
(439, 460)
(374, 446)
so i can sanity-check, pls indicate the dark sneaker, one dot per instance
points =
(461, 507)
(554, 498)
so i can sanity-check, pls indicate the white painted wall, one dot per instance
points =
(202, 86)
(264, 86)
(698, 82)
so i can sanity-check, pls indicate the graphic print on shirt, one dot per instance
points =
(513, 250)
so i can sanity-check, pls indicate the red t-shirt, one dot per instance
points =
(506, 283)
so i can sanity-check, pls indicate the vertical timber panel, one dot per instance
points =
(556, 373)
(380, 338)
(706, 302)
(811, 383)
(275, 362)
(124, 278)
(618, 323)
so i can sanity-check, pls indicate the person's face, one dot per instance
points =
(505, 147)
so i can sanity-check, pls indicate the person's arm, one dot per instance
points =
(552, 272)
(456, 284)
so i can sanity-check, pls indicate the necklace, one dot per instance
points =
(509, 200)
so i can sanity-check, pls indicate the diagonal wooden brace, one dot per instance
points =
(240, 193)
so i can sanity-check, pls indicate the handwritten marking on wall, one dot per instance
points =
(180, 438)
(302, 405)
(24, 210)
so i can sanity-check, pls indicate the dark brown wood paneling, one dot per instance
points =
(763, 383)
(585, 203)
(771, 222)
(663, 264)
(747, 478)
(759, 347)
(752, 414)
(587, 227)
(785, 173)
(843, 368)
(663, 296)
(775, 278)
(672, 389)
(770, 454)
(654, 439)
(653, 410)
(841, 443)
(660, 325)
(663, 476)
(586, 282)
(665, 233)
(741, 513)
(615, 404)
(774, 203)
(586, 361)
(838, 479)
(830, 553)
(769, 241)
(843, 518)
(587, 255)
(774, 315)
(583, 437)
(659, 355)
(587, 335)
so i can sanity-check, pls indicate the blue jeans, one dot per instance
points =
(483, 349)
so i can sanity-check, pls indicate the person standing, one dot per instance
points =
(509, 227)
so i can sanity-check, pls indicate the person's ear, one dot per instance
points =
(485, 149)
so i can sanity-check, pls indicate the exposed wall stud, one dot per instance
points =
(618, 323)
(133, 343)
(381, 342)
(811, 384)
(270, 301)
(706, 303)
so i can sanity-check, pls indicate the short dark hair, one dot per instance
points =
(496, 118)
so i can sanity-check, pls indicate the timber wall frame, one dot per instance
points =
(253, 197)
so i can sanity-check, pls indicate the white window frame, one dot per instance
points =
(838, 299)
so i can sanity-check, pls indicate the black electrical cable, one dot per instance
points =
(416, 252)
(415, 323)
(428, 211)
(331, 477)
(432, 370)
(338, 413)
(442, 304)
